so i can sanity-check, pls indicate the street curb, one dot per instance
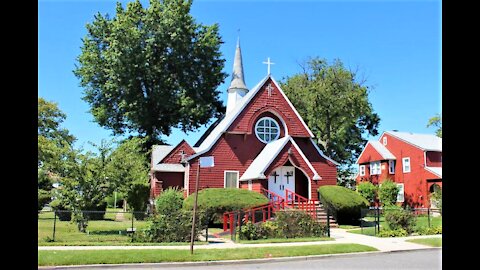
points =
(227, 262)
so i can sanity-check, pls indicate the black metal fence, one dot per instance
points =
(373, 218)
(83, 227)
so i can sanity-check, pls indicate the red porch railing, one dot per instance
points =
(302, 203)
(277, 200)
(248, 214)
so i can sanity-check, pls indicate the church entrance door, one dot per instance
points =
(282, 178)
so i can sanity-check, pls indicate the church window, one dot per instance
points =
(267, 129)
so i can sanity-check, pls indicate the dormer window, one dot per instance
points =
(267, 129)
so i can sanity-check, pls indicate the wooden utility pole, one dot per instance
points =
(195, 208)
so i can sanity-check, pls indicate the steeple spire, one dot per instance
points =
(237, 88)
(237, 75)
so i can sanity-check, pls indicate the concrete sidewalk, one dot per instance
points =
(340, 236)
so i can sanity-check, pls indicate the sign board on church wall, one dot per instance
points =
(207, 162)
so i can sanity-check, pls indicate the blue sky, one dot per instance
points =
(396, 46)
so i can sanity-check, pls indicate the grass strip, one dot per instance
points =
(286, 240)
(433, 242)
(76, 257)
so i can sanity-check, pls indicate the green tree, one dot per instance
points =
(128, 173)
(335, 105)
(148, 70)
(436, 121)
(368, 191)
(387, 193)
(54, 148)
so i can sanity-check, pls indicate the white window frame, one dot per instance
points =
(373, 170)
(225, 178)
(409, 165)
(270, 119)
(385, 140)
(250, 186)
(361, 170)
(391, 166)
(400, 190)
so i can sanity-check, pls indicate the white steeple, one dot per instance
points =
(237, 88)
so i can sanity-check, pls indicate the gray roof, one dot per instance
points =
(159, 152)
(435, 170)
(382, 150)
(424, 141)
(166, 167)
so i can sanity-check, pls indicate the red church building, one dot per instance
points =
(261, 142)
(412, 161)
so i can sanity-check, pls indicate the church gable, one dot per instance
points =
(175, 156)
(270, 99)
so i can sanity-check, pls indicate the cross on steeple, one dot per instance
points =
(275, 174)
(268, 64)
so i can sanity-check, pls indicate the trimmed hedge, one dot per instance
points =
(216, 201)
(344, 203)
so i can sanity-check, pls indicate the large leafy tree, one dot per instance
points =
(147, 70)
(436, 121)
(335, 105)
(54, 149)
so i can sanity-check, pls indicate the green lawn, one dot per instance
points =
(75, 257)
(433, 242)
(348, 227)
(422, 221)
(286, 240)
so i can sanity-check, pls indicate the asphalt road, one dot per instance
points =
(419, 259)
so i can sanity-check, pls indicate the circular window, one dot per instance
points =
(267, 129)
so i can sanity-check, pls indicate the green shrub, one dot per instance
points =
(268, 229)
(175, 227)
(392, 233)
(387, 193)
(44, 197)
(216, 201)
(249, 232)
(98, 211)
(63, 214)
(398, 218)
(293, 223)
(345, 204)
(429, 231)
(137, 198)
(169, 201)
(368, 191)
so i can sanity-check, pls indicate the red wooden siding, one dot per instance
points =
(276, 103)
(370, 154)
(175, 157)
(415, 182)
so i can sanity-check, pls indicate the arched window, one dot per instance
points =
(267, 129)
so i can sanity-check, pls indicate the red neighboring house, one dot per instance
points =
(261, 141)
(413, 161)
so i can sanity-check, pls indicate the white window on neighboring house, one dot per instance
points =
(231, 179)
(375, 168)
(385, 140)
(391, 166)
(362, 170)
(406, 164)
(249, 184)
(401, 193)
